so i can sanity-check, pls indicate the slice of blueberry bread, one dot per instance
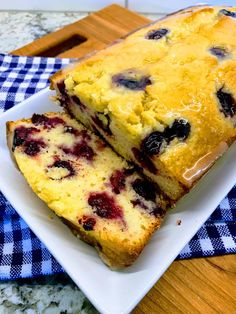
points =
(84, 182)
(164, 97)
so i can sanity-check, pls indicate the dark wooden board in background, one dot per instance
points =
(206, 285)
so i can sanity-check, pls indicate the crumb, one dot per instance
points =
(54, 99)
(50, 217)
(178, 222)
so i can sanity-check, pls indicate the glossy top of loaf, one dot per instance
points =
(184, 71)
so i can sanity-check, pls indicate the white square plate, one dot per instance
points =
(111, 291)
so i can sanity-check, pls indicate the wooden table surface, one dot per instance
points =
(204, 285)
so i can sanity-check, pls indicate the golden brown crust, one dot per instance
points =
(56, 77)
(196, 99)
(10, 125)
(116, 256)
(61, 74)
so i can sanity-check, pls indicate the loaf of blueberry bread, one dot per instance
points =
(96, 192)
(164, 97)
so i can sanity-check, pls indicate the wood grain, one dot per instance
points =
(205, 285)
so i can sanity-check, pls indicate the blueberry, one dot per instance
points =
(180, 129)
(102, 121)
(41, 119)
(87, 223)
(219, 52)
(80, 150)
(155, 210)
(78, 102)
(138, 202)
(21, 134)
(145, 188)
(63, 95)
(227, 102)
(32, 148)
(228, 13)
(17, 140)
(104, 205)
(66, 165)
(144, 160)
(153, 144)
(117, 181)
(131, 81)
(70, 129)
(61, 87)
(158, 212)
(84, 151)
(157, 33)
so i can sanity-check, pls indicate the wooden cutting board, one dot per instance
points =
(205, 285)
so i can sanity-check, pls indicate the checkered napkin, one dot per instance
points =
(21, 252)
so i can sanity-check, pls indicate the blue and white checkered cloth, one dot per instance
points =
(21, 252)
